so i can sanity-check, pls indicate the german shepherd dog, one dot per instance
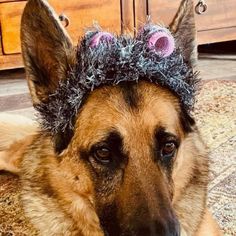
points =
(134, 162)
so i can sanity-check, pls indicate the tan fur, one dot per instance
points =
(209, 226)
(15, 136)
(71, 192)
(65, 189)
(13, 128)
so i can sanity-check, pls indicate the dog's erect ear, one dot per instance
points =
(184, 30)
(47, 49)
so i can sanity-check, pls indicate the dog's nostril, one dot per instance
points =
(174, 228)
(159, 228)
(169, 227)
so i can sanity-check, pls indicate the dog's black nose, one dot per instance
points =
(159, 228)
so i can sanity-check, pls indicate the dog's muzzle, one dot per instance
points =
(158, 228)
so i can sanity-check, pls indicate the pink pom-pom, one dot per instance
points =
(99, 37)
(162, 42)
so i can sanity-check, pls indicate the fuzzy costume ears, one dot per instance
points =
(157, 38)
(100, 37)
(104, 59)
(162, 42)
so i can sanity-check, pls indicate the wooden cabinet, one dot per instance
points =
(82, 14)
(217, 24)
(10, 14)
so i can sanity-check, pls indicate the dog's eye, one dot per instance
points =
(168, 149)
(102, 155)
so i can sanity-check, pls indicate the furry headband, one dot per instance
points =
(103, 59)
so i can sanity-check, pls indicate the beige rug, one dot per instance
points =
(216, 117)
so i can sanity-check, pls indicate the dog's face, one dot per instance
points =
(126, 151)
(128, 137)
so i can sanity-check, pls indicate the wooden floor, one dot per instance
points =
(14, 96)
(213, 66)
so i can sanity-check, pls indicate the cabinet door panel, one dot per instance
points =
(10, 17)
(219, 14)
(141, 12)
(82, 14)
(163, 11)
(217, 24)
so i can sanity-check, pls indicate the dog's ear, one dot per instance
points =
(47, 49)
(184, 30)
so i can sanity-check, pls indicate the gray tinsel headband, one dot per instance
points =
(103, 59)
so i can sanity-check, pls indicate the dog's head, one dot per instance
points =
(126, 140)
